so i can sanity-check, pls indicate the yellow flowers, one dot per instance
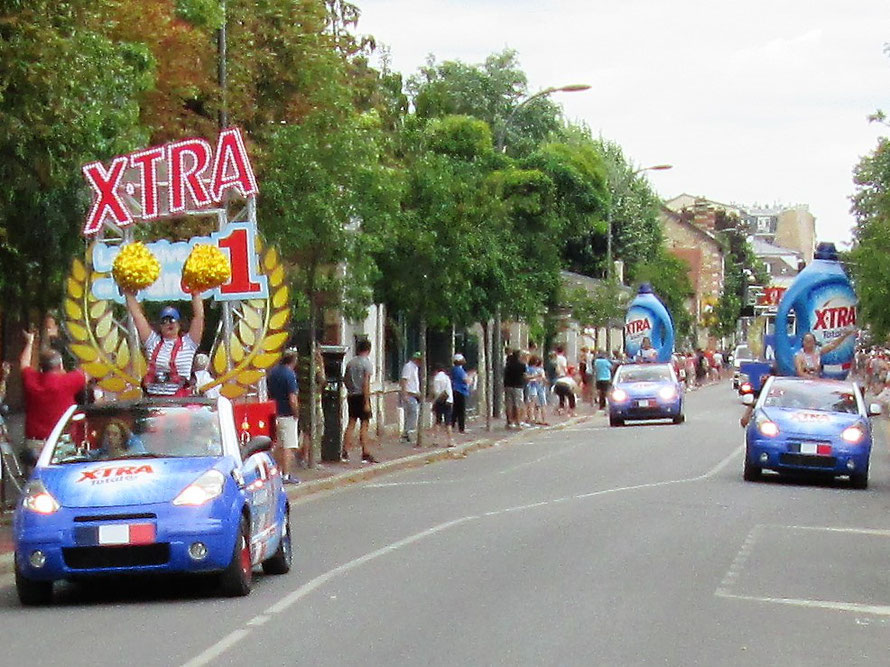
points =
(206, 268)
(135, 268)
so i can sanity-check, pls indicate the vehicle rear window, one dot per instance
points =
(811, 396)
(139, 431)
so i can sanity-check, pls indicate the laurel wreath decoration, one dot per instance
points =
(108, 353)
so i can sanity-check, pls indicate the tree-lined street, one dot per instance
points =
(589, 545)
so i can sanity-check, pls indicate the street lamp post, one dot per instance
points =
(618, 187)
(496, 342)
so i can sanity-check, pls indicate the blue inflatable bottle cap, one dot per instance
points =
(645, 288)
(826, 251)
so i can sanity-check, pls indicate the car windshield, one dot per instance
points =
(742, 352)
(139, 431)
(643, 374)
(812, 396)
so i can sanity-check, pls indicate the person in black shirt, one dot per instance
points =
(514, 383)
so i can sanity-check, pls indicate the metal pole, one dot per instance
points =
(222, 75)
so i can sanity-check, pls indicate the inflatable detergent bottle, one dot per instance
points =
(824, 304)
(648, 318)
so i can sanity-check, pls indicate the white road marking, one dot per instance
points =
(877, 610)
(295, 596)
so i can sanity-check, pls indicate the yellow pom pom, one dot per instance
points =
(206, 268)
(135, 267)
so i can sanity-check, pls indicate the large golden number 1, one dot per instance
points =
(237, 245)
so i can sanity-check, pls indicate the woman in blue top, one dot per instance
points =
(461, 390)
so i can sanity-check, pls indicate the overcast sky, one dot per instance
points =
(759, 101)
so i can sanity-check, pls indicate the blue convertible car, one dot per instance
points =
(645, 391)
(809, 426)
(151, 486)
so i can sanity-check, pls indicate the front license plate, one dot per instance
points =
(817, 448)
(115, 534)
(643, 404)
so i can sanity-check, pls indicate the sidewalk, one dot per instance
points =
(391, 453)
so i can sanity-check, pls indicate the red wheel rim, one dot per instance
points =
(245, 558)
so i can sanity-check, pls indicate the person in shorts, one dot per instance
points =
(443, 402)
(357, 379)
(514, 386)
(281, 382)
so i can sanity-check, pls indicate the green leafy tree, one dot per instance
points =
(68, 95)
(669, 277)
(740, 269)
(868, 258)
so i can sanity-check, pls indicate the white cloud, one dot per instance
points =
(758, 101)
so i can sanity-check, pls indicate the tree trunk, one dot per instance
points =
(423, 378)
(486, 372)
(497, 354)
(313, 386)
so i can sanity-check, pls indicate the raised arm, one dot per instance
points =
(833, 345)
(25, 359)
(143, 328)
(196, 330)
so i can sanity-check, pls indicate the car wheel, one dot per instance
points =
(751, 473)
(237, 578)
(614, 421)
(280, 561)
(680, 418)
(32, 593)
(859, 481)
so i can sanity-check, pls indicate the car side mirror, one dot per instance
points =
(875, 409)
(259, 443)
(748, 399)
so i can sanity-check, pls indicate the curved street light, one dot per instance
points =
(502, 132)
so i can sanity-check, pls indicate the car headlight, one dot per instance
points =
(38, 499)
(853, 434)
(767, 428)
(204, 489)
(667, 393)
(619, 395)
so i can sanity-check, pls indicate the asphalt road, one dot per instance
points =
(586, 546)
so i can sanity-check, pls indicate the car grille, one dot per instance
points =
(808, 460)
(86, 558)
(115, 517)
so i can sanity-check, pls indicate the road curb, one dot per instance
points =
(350, 477)
(415, 461)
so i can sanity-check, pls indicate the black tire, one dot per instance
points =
(751, 473)
(614, 421)
(859, 481)
(280, 561)
(32, 593)
(680, 418)
(237, 578)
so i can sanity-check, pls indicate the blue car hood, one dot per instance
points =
(811, 422)
(123, 482)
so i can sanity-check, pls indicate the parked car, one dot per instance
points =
(742, 354)
(151, 486)
(645, 391)
(801, 425)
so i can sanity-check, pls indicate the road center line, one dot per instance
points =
(295, 596)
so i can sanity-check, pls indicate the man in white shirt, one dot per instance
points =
(443, 402)
(409, 394)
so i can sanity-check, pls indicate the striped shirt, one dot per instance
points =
(184, 359)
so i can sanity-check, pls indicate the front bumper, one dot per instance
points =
(783, 456)
(652, 408)
(60, 539)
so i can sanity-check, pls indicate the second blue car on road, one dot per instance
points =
(809, 426)
(645, 391)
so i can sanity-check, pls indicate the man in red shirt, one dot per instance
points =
(48, 394)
